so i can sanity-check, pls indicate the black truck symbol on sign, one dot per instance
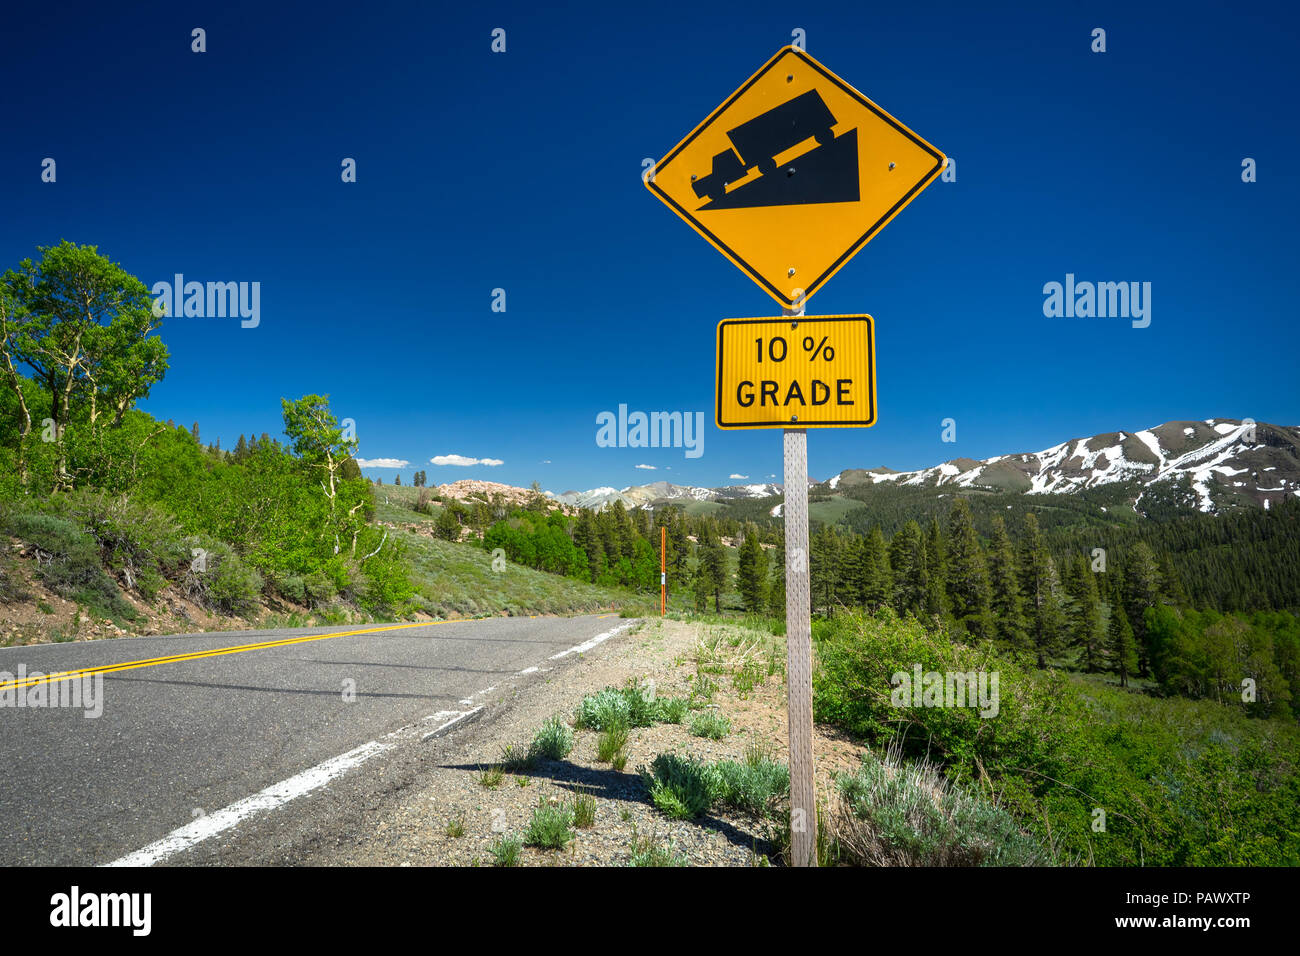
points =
(827, 173)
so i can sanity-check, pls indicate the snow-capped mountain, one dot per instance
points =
(640, 496)
(1223, 460)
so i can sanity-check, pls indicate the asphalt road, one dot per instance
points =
(179, 743)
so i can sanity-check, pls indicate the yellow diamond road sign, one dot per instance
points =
(793, 174)
(796, 372)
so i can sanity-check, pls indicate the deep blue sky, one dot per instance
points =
(522, 171)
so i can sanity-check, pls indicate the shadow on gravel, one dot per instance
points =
(627, 787)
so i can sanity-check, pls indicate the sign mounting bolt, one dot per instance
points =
(891, 165)
(791, 272)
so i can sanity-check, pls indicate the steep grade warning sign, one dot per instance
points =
(796, 372)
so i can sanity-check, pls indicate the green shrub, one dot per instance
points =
(584, 809)
(505, 850)
(220, 580)
(68, 562)
(141, 542)
(898, 813)
(313, 590)
(550, 827)
(610, 743)
(681, 787)
(601, 710)
(554, 740)
(673, 710)
(11, 586)
(633, 705)
(754, 784)
(711, 724)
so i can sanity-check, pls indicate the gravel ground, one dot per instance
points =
(412, 828)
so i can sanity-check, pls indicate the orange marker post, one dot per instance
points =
(663, 570)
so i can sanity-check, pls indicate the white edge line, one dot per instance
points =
(588, 645)
(273, 796)
(455, 720)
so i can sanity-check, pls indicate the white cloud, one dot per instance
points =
(464, 462)
(382, 462)
(546, 461)
(646, 467)
(738, 476)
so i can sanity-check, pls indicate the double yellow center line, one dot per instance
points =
(198, 655)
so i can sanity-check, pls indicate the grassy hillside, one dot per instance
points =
(457, 579)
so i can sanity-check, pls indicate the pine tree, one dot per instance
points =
(701, 586)
(824, 568)
(1041, 590)
(587, 537)
(968, 582)
(447, 526)
(907, 558)
(878, 583)
(1121, 645)
(1085, 613)
(712, 563)
(679, 543)
(936, 562)
(1174, 592)
(848, 585)
(1004, 586)
(752, 573)
(1141, 591)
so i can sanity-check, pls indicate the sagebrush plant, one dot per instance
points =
(68, 561)
(602, 709)
(754, 785)
(905, 813)
(550, 827)
(554, 740)
(711, 724)
(673, 710)
(505, 850)
(681, 787)
(633, 705)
